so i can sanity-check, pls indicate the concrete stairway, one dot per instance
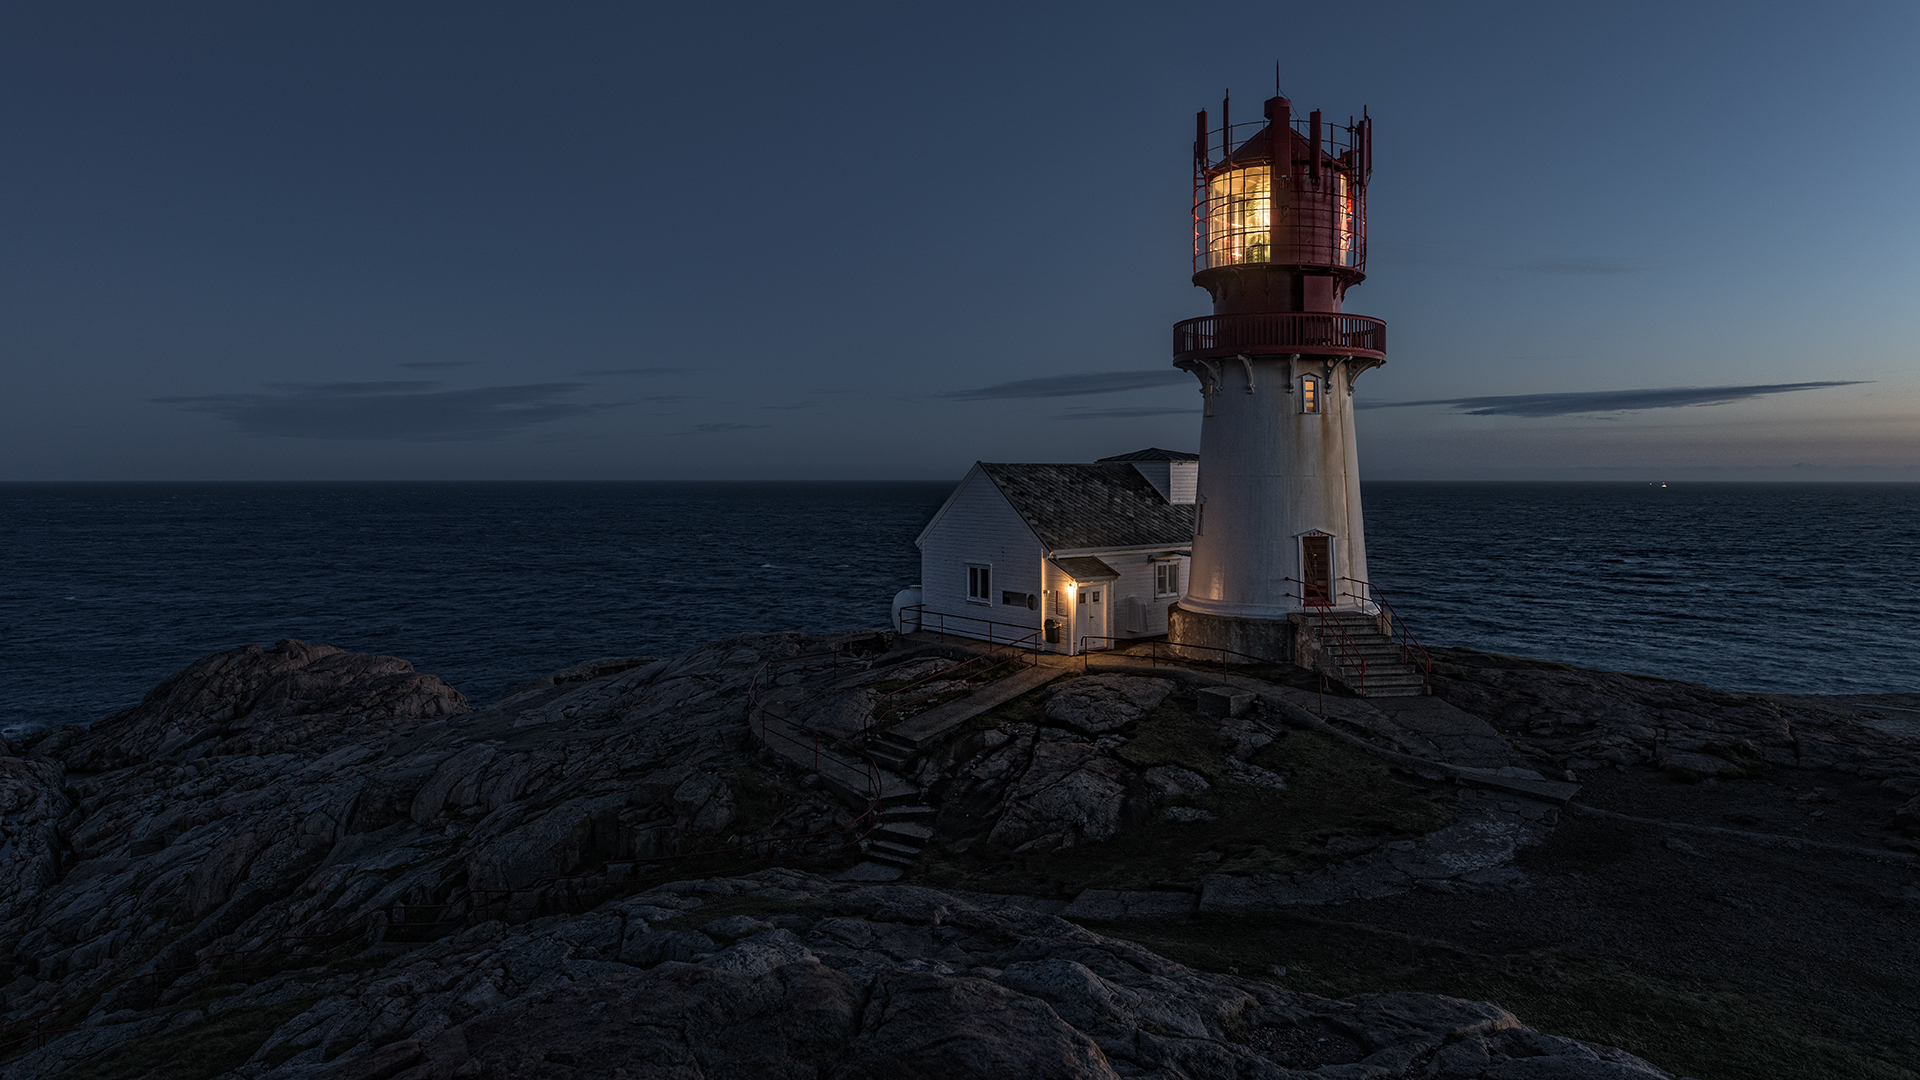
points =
(841, 771)
(902, 833)
(1351, 637)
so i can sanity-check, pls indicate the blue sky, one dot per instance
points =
(580, 241)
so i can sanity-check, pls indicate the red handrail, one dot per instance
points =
(1307, 332)
(1320, 608)
(1401, 632)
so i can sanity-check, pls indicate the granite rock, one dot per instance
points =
(1098, 704)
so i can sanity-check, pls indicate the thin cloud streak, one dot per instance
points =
(1054, 386)
(1607, 401)
(397, 410)
(599, 372)
(1121, 414)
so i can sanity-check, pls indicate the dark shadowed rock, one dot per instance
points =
(1071, 794)
(390, 885)
(1099, 704)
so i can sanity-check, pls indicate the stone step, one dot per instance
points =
(1366, 649)
(890, 857)
(905, 832)
(887, 738)
(1378, 679)
(890, 757)
(1377, 665)
(908, 812)
(1360, 640)
(893, 847)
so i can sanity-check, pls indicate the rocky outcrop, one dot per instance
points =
(807, 977)
(1599, 718)
(255, 701)
(271, 802)
(1099, 704)
(333, 855)
(33, 810)
(1071, 794)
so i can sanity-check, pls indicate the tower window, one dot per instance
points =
(1310, 394)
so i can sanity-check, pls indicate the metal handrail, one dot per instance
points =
(1321, 608)
(1312, 332)
(991, 624)
(1398, 628)
(1086, 655)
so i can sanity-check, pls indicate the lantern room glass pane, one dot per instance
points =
(1239, 221)
(1346, 251)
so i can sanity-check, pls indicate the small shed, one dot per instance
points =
(1066, 556)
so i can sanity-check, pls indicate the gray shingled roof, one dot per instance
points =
(1154, 453)
(1102, 505)
(1086, 568)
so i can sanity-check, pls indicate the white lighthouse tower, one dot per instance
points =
(1279, 236)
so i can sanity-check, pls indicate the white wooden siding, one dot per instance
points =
(1136, 579)
(1183, 479)
(978, 526)
(1136, 570)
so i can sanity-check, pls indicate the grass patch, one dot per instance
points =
(194, 1052)
(1710, 1033)
(1333, 790)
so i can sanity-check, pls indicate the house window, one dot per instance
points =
(1090, 596)
(1166, 579)
(1019, 599)
(1310, 394)
(1060, 602)
(979, 584)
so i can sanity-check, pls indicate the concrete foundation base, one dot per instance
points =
(1247, 641)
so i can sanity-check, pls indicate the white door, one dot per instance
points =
(1092, 623)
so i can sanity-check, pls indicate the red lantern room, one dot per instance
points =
(1279, 235)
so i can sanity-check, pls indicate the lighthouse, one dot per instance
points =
(1279, 237)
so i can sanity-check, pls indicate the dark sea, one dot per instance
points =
(105, 589)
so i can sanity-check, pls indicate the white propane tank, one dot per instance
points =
(905, 621)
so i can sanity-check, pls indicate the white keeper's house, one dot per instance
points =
(1071, 556)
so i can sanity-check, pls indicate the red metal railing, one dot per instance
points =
(1401, 633)
(1318, 606)
(1310, 333)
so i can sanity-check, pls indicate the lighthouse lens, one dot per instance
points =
(1239, 222)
